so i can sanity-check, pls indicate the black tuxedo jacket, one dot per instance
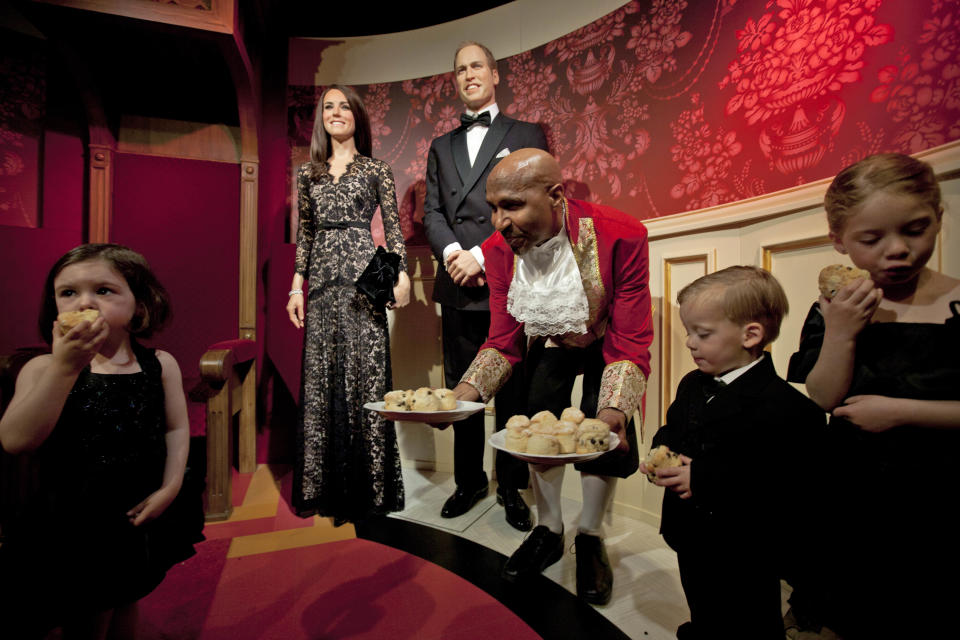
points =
(754, 451)
(455, 208)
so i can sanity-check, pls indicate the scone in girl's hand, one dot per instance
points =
(851, 309)
(75, 349)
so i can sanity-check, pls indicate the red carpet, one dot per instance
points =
(347, 589)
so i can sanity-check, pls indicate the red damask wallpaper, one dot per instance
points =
(664, 106)
(23, 69)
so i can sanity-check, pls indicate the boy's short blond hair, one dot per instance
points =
(746, 294)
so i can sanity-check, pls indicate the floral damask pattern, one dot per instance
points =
(921, 92)
(22, 108)
(664, 106)
(792, 66)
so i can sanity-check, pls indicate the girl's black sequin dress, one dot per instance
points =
(74, 548)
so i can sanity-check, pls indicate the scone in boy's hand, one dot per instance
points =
(676, 479)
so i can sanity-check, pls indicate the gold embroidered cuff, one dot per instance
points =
(487, 373)
(622, 387)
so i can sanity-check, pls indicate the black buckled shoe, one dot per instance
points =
(518, 513)
(462, 501)
(594, 575)
(540, 550)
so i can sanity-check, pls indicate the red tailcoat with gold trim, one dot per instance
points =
(610, 249)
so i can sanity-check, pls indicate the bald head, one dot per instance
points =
(525, 169)
(525, 193)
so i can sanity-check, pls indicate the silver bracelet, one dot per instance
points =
(295, 292)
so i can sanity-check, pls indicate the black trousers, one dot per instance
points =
(550, 373)
(463, 333)
(730, 591)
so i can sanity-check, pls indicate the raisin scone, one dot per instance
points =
(660, 458)
(836, 276)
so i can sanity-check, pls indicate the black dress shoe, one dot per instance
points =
(594, 575)
(518, 513)
(462, 501)
(540, 550)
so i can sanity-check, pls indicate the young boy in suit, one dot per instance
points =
(745, 438)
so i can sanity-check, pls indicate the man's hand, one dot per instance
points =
(462, 391)
(464, 268)
(618, 425)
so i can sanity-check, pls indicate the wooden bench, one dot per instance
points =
(229, 370)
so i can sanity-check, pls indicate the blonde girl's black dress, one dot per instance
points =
(888, 531)
(348, 462)
(72, 551)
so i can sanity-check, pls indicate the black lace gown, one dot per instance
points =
(348, 461)
(73, 550)
(889, 526)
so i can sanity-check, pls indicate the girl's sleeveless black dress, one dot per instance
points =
(74, 549)
(889, 530)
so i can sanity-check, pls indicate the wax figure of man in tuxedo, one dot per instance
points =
(457, 221)
(570, 279)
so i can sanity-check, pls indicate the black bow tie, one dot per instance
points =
(712, 387)
(466, 120)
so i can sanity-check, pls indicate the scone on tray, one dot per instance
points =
(566, 434)
(448, 401)
(424, 399)
(544, 435)
(572, 414)
(543, 445)
(593, 435)
(395, 400)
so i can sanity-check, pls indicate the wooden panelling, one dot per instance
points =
(208, 15)
(249, 185)
(179, 139)
(101, 193)
(678, 271)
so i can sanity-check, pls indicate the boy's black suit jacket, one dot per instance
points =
(754, 470)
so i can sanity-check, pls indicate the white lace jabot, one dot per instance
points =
(546, 293)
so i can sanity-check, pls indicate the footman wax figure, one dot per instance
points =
(568, 280)
(457, 220)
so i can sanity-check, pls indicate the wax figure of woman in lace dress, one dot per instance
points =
(348, 462)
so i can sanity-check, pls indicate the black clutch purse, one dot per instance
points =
(379, 278)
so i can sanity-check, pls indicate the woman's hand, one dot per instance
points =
(74, 349)
(152, 506)
(401, 292)
(295, 310)
(851, 309)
